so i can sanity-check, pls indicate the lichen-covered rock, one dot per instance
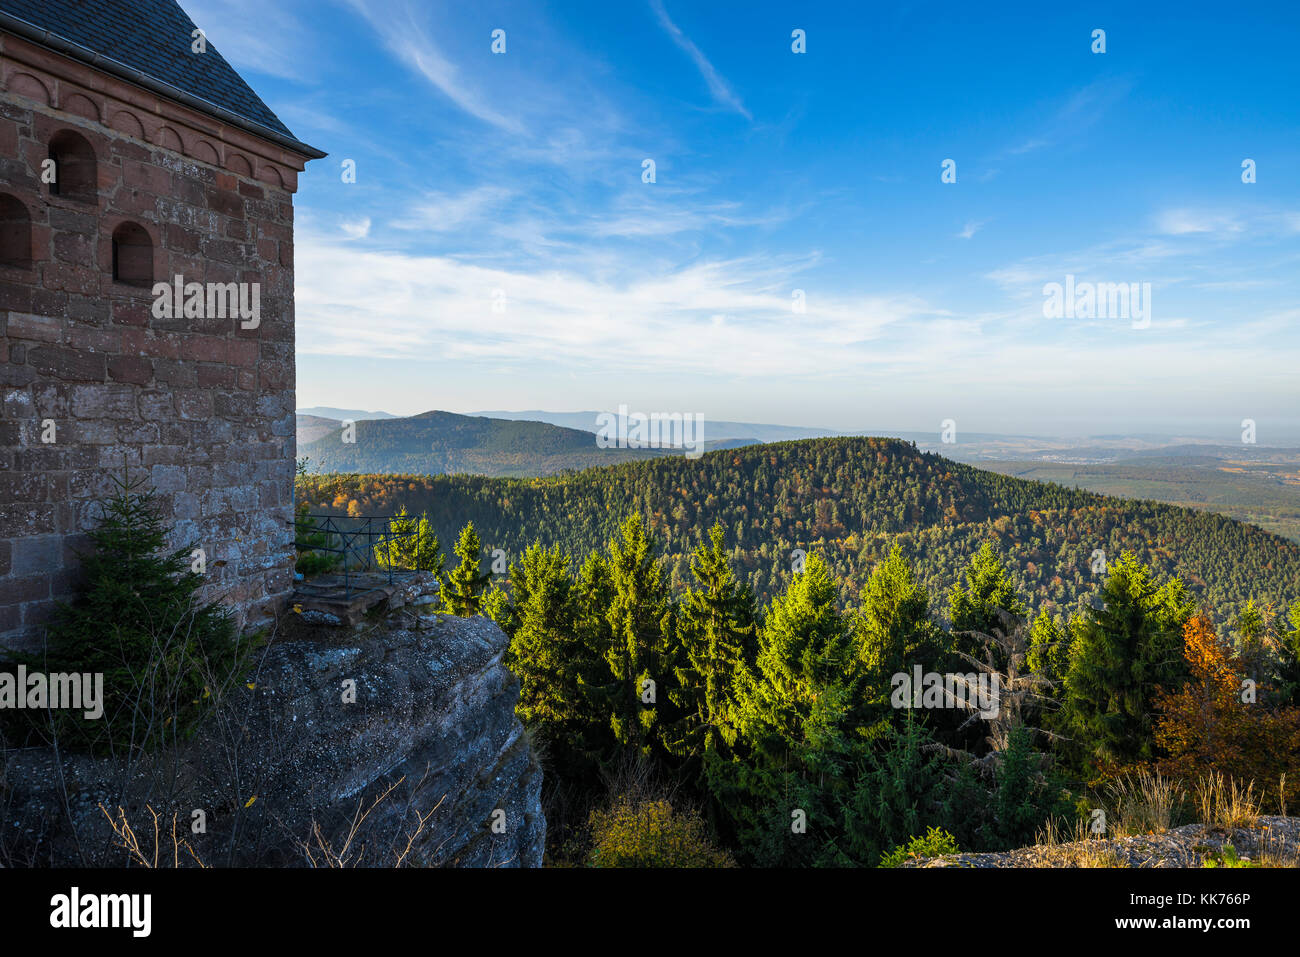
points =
(395, 742)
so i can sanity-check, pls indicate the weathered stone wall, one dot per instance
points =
(427, 742)
(200, 407)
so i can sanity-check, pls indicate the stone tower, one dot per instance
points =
(132, 155)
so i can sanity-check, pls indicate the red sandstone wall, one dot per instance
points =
(200, 407)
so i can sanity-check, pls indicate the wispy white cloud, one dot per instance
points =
(676, 214)
(1072, 118)
(388, 304)
(406, 37)
(444, 212)
(356, 228)
(280, 46)
(1236, 224)
(733, 318)
(719, 88)
(1174, 245)
(1182, 222)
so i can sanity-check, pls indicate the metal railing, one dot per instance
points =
(363, 545)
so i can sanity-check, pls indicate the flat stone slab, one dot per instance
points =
(332, 601)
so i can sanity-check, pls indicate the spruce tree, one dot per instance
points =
(796, 721)
(498, 606)
(1049, 659)
(1251, 627)
(899, 793)
(639, 618)
(1285, 677)
(1049, 650)
(893, 631)
(165, 654)
(717, 633)
(975, 608)
(1122, 653)
(410, 544)
(462, 588)
(546, 653)
(593, 596)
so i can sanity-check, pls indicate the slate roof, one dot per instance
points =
(150, 37)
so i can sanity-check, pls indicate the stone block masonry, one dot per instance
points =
(91, 381)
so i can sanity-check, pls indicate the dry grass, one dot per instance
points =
(1274, 851)
(1225, 804)
(1143, 803)
(1077, 847)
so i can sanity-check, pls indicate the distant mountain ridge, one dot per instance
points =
(443, 443)
(356, 415)
(714, 430)
(312, 427)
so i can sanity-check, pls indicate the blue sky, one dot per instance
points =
(517, 177)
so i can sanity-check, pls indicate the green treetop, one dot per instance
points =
(462, 588)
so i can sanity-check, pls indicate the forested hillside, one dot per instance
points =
(435, 443)
(849, 500)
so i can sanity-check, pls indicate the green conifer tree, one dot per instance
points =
(893, 631)
(639, 617)
(1049, 658)
(553, 664)
(1251, 627)
(165, 654)
(410, 544)
(717, 634)
(899, 793)
(462, 588)
(498, 606)
(796, 722)
(976, 607)
(1286, 658)
(593, 597)
(1121, 653)
(1049, 651)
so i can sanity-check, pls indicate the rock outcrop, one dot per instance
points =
(392, 741)
(1266, 841)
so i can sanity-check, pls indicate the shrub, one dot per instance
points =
(935, 842)
(1229, 857)
(651, 834)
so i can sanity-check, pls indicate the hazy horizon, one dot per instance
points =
(1229, 433)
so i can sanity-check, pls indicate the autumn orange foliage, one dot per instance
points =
(1213, 725)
